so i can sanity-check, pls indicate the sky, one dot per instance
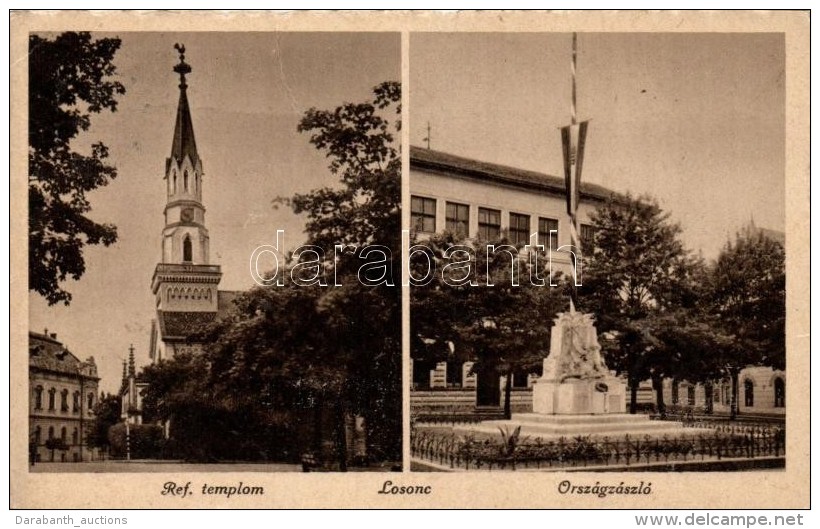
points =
(696, 121)
(247, 93)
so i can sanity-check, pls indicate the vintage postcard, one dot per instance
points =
(413, 259)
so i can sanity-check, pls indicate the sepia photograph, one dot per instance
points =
(630, 317)
(416, 260)
(164, 338)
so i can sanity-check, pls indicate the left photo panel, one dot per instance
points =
(214, 252)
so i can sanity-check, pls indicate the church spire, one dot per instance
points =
(184, 142)
(132, 367)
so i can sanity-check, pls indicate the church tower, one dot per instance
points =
(184, 283)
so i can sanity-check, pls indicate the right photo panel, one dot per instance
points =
(597, 251)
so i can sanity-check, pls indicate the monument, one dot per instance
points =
(575, 379)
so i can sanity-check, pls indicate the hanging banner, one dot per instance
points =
(573, 138)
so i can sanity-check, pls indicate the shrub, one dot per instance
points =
(146, 441)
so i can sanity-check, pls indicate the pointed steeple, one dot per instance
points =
(132, 368)
(184, 142)
(124, 383)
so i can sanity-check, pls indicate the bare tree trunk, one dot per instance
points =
(341, 435)
(734, 372)
(657, 385)
(710, 397)
(508, 395)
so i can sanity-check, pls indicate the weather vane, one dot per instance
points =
(182, 68)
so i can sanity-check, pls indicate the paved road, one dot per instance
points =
(163, 466)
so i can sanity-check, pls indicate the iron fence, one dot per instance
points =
(511, 452)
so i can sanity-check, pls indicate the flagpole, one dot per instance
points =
(573, 218)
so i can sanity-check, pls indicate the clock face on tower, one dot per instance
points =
(187, 214)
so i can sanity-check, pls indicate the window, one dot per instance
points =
(90, 402)
(185, 180)
(458, 218)
(187, 250)
(64, 400)
(38, 398)
(748, 394)
(587, 237)
(52, 399)
(63, 433)
(675, 392)
(175, 182)
(51, 432)
(423, 214)
(519, 229)
(690, 395)
(38, 434)
(779, 393)
(75, 436)
(489, 224)
(549, 240)
(76, 401)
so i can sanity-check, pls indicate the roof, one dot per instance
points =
(180, 325)
(48, 354)
(437, 161)
(183, 324)
(184, 142)
(225, 301)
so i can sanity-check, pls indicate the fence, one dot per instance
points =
(510, 452)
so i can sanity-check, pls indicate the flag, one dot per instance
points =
(573, 138)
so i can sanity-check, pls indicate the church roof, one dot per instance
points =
(183, 324)
(184, 142)
(421, 158)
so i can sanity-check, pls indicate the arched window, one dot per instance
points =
(51, 432)
(187, 250)
(75, 437)
(779, 393)
(63, 433)
(174, 189)
(76, 401)
(90, 401)
(64, 400)
(185, 180)
(748, 393)
(38, 434)
(38, 398)
(51, 398)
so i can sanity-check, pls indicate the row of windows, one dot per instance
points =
(748, 394)
(457, 220)
(38, 434)
(52, 400)
(185, 178)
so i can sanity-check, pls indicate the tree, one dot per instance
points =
(106, 414)
(503, 327)
(70, 78)
(56, 443)
(746, 297)
(635, 278)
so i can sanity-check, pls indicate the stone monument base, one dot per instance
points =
(579, 397)
(613, 426)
